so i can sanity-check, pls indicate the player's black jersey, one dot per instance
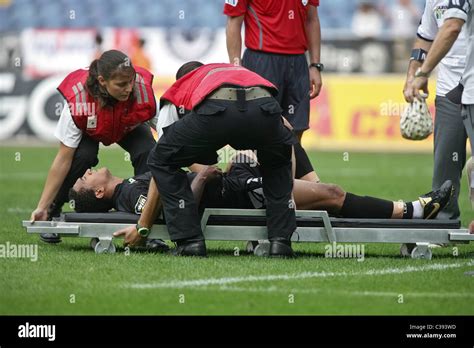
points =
(130, 196)
(241, 188)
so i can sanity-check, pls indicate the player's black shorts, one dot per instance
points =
(289, 73)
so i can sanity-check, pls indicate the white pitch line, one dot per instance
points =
(305, 275)
(347, 293)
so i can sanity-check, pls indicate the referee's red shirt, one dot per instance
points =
(276, 26)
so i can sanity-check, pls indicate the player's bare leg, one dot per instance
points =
(316, 196)
(330, 197)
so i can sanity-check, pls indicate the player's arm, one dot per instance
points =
(197, 168)
(313, 33)
(455, 17)
(426, 33)
(152, 206)
(199, 182)
(234, 38)
(56, 175)
(445, 39)
(420, 49)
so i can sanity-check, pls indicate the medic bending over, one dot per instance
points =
(111, 102)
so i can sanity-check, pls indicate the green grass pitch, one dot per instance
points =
(69, 278)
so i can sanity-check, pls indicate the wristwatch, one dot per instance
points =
(142, 231)
(318, 66)
(420, 73)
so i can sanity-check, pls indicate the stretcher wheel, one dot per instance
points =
(101, 249)
(94, 242)
(421, 252)
(262, 249)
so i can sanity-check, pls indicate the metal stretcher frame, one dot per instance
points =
(249, 225)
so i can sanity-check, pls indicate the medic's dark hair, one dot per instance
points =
(186, 68)
(110, 64)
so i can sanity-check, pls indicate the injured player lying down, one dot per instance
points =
(240, 187)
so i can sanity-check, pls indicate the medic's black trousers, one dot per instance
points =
(196, 137)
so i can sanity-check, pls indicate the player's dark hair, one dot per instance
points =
(85, 201)
(110, 64)
(187, 68)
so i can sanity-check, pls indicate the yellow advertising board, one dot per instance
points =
(362, 113)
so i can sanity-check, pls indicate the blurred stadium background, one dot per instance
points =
(365, 48)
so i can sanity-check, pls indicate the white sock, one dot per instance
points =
(417, 210)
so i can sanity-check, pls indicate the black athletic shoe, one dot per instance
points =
(152, 246)
(53, 238)
(281, 249)
(190, 247)
(434, 201)
(156, 246)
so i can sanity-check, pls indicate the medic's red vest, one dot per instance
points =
(192, 88)
(109, 124)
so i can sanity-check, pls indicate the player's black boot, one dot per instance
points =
(52, 238)
(434, 201)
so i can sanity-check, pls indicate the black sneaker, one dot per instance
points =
(54, 211)
(156, 246)
(281, 249)
(190, 247)
(434, 201)
(152, 246)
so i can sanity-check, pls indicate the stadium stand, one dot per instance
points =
(21, 14)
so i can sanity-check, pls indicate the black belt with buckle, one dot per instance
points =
(231, 93)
